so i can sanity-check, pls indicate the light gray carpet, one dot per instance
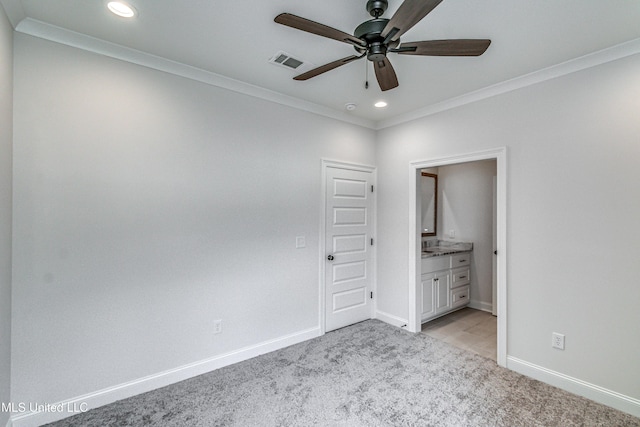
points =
(368, 374)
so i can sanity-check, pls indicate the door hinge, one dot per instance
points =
(372, 188)
(372, 241)
(371, 295)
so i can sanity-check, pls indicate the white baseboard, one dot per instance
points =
(481, 305)
(596, 393)
(108, 395)
(391, 319)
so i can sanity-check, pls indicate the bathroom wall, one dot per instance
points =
(466, 207)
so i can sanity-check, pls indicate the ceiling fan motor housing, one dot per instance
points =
(370, 31)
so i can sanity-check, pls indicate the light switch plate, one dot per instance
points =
(301, 242)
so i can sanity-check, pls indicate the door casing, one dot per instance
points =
(500, 155)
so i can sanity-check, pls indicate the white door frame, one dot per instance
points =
(500, 155)
(330, 163)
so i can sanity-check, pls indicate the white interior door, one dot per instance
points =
(348, 242)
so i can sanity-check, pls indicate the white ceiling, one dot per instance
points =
(236, 39)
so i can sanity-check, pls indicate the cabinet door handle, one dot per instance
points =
(462, 277)
(462, 260)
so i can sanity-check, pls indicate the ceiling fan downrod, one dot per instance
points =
(377, 7)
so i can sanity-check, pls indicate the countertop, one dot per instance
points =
(446, 248)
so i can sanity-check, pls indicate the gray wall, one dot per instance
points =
(572, 206)
(6, 135)
(147, 206)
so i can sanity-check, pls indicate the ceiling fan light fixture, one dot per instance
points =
(380, 104)
(121, 9)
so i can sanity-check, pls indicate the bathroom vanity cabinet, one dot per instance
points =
(444, 284)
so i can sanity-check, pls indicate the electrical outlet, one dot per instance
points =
(217, 326)
(452, 234)
(557, 341)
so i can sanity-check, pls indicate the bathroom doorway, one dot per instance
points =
(465, 214)
(460, 228)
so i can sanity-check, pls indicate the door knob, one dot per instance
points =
(330, 257)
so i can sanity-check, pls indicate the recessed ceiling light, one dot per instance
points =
(380, 104)
(121, 9)
(350, 106)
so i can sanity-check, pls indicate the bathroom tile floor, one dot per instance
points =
(469, 329)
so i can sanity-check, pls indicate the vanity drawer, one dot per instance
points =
(435, 263)
(460, 260)
(460, 297)
(460, 276)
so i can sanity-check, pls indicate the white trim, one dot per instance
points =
(500, 155)
(480, 305)
(340, 164)
(594, 392)
(391, 319)
(415, 248)
(600, 57)
(322, 247)
(374, 247)
(60, 35)
(161, 379)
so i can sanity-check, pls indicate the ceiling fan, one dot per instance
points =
(378, 36)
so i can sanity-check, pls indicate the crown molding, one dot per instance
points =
(60, 35)
(14, 11)
(603, 56)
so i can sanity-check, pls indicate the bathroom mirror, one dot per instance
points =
(429, 196)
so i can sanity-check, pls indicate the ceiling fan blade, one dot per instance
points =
(408, 14)
(460, 47)
(326, 67)
(385, 74)
(312, 27)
